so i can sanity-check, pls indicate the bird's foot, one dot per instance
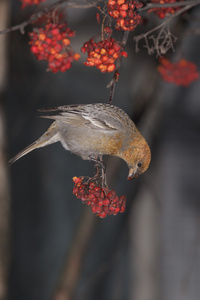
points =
(100, 175)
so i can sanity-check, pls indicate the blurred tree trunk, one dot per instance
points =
(4, 190)
(145, 248)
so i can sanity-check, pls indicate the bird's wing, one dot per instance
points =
(80, 116)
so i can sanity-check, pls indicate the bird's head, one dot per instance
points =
(137, 157)
(139, 160)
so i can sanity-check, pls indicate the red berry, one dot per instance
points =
(83, 49)
(51, 43)
(30, 2)
(97, 197)
(103, 54)
(98, 18)
(124, 53)
(163, 12)
(102, 214)
(34, 49)
(55, 31)
(180, 73)
(123, 11)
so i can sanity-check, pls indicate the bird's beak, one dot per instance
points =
(132, 174)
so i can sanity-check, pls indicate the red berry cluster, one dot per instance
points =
(52, 44)
(124, 11)
(162, 12)
(31, 2)
(103, 202)
(103, 54)
(180, 73)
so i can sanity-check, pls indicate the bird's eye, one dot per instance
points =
(139, 165)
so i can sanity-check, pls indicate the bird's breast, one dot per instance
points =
(86, 142)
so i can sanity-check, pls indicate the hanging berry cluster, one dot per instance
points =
(163, 12)
(30, 2)
(103, 54)
(125, 14)
(51, 43)
(103, 201)
(180, 73)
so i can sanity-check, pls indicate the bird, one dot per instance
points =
(93, 130)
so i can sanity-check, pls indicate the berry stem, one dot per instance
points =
(102, 28)
(112, 83)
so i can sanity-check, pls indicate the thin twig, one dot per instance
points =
(45, 10)
(112, 83)
(75, 259)
(5, 208)
(106, 265)
(169, 36)
(76, 256)
(165, 5)
(89, 4)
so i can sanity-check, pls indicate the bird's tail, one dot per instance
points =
(49, 137)
(25, 151)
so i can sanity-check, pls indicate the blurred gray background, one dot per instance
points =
(55, 247)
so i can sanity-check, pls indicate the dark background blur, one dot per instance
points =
(58, 249)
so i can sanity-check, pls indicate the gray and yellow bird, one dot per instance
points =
(93, 130)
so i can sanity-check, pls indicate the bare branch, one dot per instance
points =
(165, 40)
(4, 182)
(112, 83)
(74, 260)
(165, 5)
(45, 10)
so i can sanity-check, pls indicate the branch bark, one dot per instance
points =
(4, 189)
(75, 258)
(174, 4)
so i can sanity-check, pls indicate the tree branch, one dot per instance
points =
(158, 41)
(165, 5)
(4, 182)
(45, 10)
(112, 83)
